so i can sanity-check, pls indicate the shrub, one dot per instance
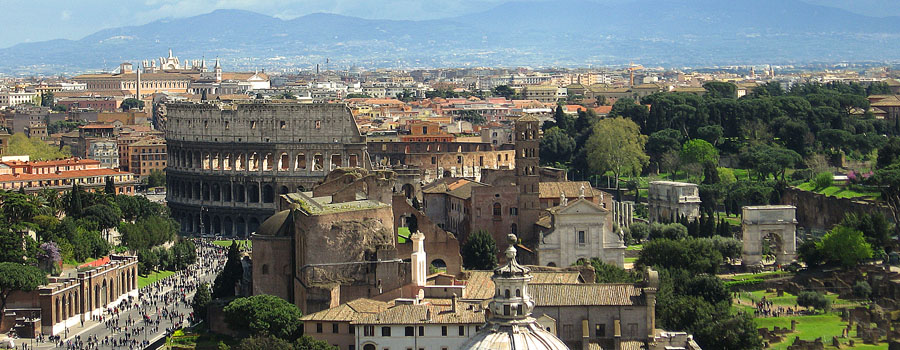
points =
(862, 290)
(639, 231)
(814, 300)
(823, 180)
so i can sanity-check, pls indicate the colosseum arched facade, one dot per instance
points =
(229, 162)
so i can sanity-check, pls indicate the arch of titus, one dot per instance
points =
(776, 221)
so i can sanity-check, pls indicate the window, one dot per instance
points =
(318, 327)
(252, 124)
(421, 331)
(409, 331)
(444, 331)
(385, 331)
(505, 310)
(334, 328)
(369, 331)
(497, 209)
(513, 211)
(352, 330)
(283, 124)
(599, 330)
(581, 237)
(433, 160)
(318, 124)
(462, 331)
(459, 159)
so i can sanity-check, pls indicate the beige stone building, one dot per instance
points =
(769, 224)
(668, 201)
(580, 230)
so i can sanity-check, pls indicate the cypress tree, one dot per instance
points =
(110, 186)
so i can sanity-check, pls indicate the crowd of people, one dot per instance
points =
(161, 305)
(765, 308)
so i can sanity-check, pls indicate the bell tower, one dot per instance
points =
(528, 142)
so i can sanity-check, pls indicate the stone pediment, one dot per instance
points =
(580, 206)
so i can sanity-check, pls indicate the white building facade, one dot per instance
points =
(580, 229)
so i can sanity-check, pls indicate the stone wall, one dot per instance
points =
(821, 212)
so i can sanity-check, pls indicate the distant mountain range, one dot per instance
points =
(554, 33)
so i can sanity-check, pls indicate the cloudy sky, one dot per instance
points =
(39, 20)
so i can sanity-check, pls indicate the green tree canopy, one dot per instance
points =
(699, 152)
(132, 103)
(231, 274)
(201, 301)
(845, 245)
(16, 276)
(609, 273)
(263, 315)
(480, 251)
(813, 300)
(21, 145)
(718, 89)
(617, 146)
(556, 146)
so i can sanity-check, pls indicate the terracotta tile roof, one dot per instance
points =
(456, 187)
(570, 188)
(602, 110)
(479, 285)
(466, 313)
(43, 163)
(585, 294)
(630, 345)
(349, 311)
(63, 175)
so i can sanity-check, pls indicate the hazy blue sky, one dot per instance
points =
(38, 20)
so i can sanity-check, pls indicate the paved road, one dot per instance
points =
(161, 307)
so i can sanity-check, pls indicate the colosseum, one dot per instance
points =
(229, 161)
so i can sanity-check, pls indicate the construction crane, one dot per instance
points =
(631, 68)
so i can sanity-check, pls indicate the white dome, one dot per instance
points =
(511, 325)
(508, 337)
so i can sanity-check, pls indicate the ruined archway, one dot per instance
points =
(769, 229)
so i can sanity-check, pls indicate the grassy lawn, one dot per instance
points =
(839, 191)
(762, 275)
(227, 243)
(630, 260)
(635, 247)
(791, 300)
(812, 327)
(198, 339)
(144, 281)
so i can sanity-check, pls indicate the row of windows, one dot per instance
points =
(408, 331)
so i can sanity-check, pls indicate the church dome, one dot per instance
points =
(511, 325)
(279, 224)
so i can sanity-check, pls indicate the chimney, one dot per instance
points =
(453, 303)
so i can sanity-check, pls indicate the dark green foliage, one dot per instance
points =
(480, 252)
(147, 261)
(701, 304)
(717, 89)
(263, 315)
(845, 246)
(263, 342)
(148, 232)
(110, 186)
(16, 276)
(813, 300)
(201, 301)
(692, 254)
(862, 290)
(504, 91)
(667, 231)
(75, 203)
(823, 180)
(139, 207)
(131, 103)
(309, 343)
(889, 153)
(556, 146)
(11, 249)
(608, 273)
(874, 226)
(639, 231)
(184, 253)
(744, 193)
(809, 253)
(878, 88)
(230, 275)
(563, 120)
(767, 160)
(710, 133)
(157, 178)
(105, 216)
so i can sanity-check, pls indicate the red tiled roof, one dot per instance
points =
(62, 175)
(96, 263)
